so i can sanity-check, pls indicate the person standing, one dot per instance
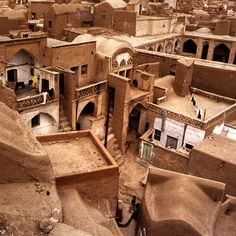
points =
(132, 204)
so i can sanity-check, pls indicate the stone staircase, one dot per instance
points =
(116, 152)
(64, 125)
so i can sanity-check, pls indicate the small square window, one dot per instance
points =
(35, 121)
(84, 69)
(157, 135)
(188, 146)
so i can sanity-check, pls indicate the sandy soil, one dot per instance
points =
(79, 155)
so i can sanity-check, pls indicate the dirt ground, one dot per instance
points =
(79, 155)
(131, 176)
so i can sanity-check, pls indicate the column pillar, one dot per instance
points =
(232, 53)
(199, 48)
(211, 50)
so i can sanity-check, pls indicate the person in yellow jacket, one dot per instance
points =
(35, 81)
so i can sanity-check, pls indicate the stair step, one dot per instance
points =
(110, 130)
(118, 151)
(62, 113)
(116, 146)
(117, 157)
(66, 129)
(120, 161)
(62, 119)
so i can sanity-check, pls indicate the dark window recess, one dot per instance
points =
(49, 24)
(157, 135)
(84, 69)
(33, 15)
(45, 85)
(75, 68)
(189, 146)
(32, 71)
(25, 35)
(171, 142)
(35, 121)
(12, 75)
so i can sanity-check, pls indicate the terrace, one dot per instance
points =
(76, 153)
(210, 104)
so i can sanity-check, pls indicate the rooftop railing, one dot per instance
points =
(92, 89)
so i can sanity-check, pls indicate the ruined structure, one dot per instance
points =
(177, 202)
(146, 83)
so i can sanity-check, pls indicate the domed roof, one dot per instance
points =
(14, 14)
(204, 30)
(84, 38)
(66, 8)
(104, 46)
(108, 47)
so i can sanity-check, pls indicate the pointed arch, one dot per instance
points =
(205, 49)
(221, 53)
(190, 46)
(160, 48)
(169, 47)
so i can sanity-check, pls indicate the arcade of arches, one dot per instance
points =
(207, 49)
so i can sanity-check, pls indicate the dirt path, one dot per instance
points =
(131, 176)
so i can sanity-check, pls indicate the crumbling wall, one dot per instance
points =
(26, 178)
(183, 78)
(8, 96)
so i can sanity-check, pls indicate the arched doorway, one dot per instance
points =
(137, 121)
(43, 123)
(150, 49)
(169, 47)
(190, 47)
(177, 45)
(160, 48)
(85, 118)
(205, 50)
(21, 68)
(221, 53)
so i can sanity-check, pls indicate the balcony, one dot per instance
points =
(29, 97)
(90, 90)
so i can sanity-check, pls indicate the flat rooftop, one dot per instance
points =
(73, 155)
(136, 93)
(218, 147)
(210, 36)
(183, 105)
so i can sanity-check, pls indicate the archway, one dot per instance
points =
(205, 50)
(190, 47)
(221, 53)
(169, 47)
(137, 122)
(85, 117)
(22, 67)
(160, 48)
(177, 45)
(43, 123)
(150, 49)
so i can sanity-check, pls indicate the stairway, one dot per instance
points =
(64, 125)
(116, 152)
